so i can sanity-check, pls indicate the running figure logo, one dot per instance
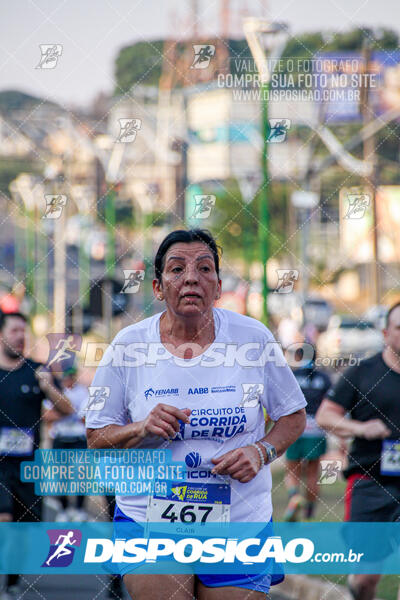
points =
(278, 130)
(330, 470)
(286, 280)
(203, 205)
(128, 130)
(132, 281)
(179, 492)
(98, 396)
(358, 204)
(251, 394)
(63, 348)
(50, 54)
(54, 206)
(62, 547)
(203, 54)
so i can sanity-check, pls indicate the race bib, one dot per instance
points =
(185, 502)
(15, 442)
(74, 429)
(390, 458)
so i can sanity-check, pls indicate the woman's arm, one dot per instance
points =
(116, 436)
(286, 430)
(244, 463)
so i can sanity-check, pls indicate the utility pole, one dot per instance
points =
(180, 147)
(253, 28)
(371, 181)
(107, 285)
(60, 274)
(263, 227)
(112, 178)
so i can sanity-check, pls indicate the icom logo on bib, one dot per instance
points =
(193, 460)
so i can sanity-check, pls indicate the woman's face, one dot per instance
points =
(189, 283)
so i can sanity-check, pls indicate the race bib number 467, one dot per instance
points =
(191, 503)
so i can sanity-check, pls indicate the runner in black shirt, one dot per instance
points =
(23, 386)
(370, 394)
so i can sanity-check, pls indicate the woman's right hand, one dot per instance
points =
(163, 421)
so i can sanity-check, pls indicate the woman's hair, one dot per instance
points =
(185, 236)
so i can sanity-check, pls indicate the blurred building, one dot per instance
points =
(149, 161)
(224, 135)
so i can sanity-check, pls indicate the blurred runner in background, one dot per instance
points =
(288, 332)
(24, 384)
(69, 432)
(303, 456)
(369, 394)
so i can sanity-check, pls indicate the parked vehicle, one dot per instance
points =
(347, 336)
(377, 315)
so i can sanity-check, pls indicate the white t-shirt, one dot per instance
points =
(225, 387)
(71, 426)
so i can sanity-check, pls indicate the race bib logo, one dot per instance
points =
(252, 393)
(179, 492)
(132, 281)
(149, 393)
(128, 130)
(63, 348)
(203, 54)
(358, 204)
(50, 53)
(278, 130)
(193, 460)
(330, 470)
(97, 397)
(63, 543)
(54, 206)
(286, 280)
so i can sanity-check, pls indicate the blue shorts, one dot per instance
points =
(259, 583)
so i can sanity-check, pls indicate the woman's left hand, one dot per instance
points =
(242, 464)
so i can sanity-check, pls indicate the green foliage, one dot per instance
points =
(11, 100)
(14, 100)
(236, 224)
(140, 64)
(378, 39)
(303, 46)
(309, 44)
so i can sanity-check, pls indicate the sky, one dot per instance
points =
(91, 34)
